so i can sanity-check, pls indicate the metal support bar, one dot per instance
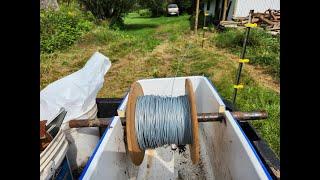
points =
(100, 122)
(202, 117)
(241, 116)
(242, 57)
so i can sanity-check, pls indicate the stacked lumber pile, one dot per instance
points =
(270, 20)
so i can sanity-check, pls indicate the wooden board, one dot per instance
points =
(136, 154)
(194, 147)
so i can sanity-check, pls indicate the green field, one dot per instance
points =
(164, 47)
(262, 48)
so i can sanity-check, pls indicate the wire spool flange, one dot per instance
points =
(137, 154)
(194, 147)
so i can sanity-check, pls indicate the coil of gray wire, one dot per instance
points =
(162, 120)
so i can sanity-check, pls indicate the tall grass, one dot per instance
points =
(254, 98)
(221, 70)
(262, 48)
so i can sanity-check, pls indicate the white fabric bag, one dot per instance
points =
(76, 92)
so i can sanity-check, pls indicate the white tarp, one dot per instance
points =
(76, 92)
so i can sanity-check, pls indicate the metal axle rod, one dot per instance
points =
(202, 117)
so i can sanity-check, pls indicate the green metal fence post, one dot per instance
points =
(236, 86)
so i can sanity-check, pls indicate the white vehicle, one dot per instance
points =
(173, 9)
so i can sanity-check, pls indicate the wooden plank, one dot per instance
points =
(266, 20)
(229, 22)
(197, 17)
(225, 6)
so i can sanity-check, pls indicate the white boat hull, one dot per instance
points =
(225, 151)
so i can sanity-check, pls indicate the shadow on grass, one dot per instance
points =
(148, 17)
(140, 17)
(139, 26)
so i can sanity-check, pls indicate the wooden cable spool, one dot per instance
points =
(137, 154)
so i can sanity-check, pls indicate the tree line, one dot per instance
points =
(115, 10)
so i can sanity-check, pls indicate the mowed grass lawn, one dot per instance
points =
(164, 47)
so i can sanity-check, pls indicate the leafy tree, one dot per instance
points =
(109, 9)
(184, 6)
(157, 7)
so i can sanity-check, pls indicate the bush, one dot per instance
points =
(144, 12)
(116, 23)
(60, 29)
(200, 20)
(110, 9)
(262, 48)
(156, 7)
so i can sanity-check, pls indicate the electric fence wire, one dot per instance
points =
(162, 120)
(178, 68)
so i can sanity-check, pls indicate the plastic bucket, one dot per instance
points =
(52, 157)
(82, 141)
